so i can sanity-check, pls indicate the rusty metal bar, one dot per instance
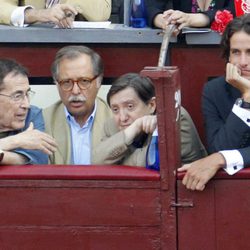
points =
(164, 45)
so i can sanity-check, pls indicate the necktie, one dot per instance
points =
(50, 3)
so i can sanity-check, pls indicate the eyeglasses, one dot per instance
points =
(19, 96)
(83, 83)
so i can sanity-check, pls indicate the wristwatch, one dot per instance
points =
(243, 104)
(1, 155)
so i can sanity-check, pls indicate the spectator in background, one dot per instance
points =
(61, 13)
(191, 13)
(21, 138)
(127, 135)
(76, 120)
(226, 110)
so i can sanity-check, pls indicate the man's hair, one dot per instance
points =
(73, 52)
(8, 66)
(143, 86)
(241, 23)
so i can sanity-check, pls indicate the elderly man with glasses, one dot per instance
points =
(76, 121)
(21, 138)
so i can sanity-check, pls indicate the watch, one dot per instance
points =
(1, 155)
(243, 104)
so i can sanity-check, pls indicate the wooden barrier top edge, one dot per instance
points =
(78, 172)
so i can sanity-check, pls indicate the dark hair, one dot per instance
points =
(241, 23)
(8, 66)
(72, 52)
(143, 86)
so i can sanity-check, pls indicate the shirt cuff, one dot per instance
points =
(243, 114)
(17, 16)
(234, 161)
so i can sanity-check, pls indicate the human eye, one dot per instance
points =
(66, 82)
(84, 81)
(235, 51)
(131, 106)
(114, 110)
(17, 96)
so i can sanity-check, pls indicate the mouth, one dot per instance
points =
(21, 117)
(245, 71)
(76, 104)
(123, 126)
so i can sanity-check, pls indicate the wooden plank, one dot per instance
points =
(65, 238)
(196, 225)
(79, 206)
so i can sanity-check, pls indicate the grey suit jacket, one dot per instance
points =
(56, 125)
(113, 149)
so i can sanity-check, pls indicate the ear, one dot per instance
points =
(152, 105)
(98, 82)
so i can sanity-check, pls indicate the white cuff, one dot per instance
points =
(17, 16)
(234, 161)
(243, 114)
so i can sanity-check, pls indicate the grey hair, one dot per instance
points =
(73, 52)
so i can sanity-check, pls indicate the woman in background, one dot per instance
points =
(191, 13)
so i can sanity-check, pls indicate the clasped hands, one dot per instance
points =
(61, 15)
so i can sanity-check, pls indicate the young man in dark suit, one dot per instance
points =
(226, 110)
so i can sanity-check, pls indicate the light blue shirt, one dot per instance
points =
(80, 139)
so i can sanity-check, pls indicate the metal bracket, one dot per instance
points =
(184, 204)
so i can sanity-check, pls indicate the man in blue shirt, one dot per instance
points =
(76, 120)
(21, 138)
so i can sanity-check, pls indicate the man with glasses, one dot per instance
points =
(76, 120)
(21, 138)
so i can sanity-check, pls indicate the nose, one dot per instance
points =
(25, 102)
(243, 60)
(123, 115)
(76, 90)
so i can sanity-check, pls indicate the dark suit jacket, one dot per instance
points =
(155, 7)
(224, 130)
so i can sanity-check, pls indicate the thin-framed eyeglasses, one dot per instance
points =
(19, 96)
(83, 83)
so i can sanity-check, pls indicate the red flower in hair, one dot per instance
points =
(222, 18)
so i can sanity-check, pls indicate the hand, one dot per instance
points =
(176, 17)
(58, 14)
(32, 139)
(145, 124)
(201, 171)
(233, 76)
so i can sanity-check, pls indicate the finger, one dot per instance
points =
(31, 126)
(64, 24)
(167, 13)
(185, 179)
(48, 148)
(69, 8)
(200, 186)
(184, 168)
(193, 185)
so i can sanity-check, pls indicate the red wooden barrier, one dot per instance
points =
(97, 207)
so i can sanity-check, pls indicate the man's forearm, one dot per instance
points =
(11, 158)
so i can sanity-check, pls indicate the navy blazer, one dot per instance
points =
(155, 7)
(224, 129)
